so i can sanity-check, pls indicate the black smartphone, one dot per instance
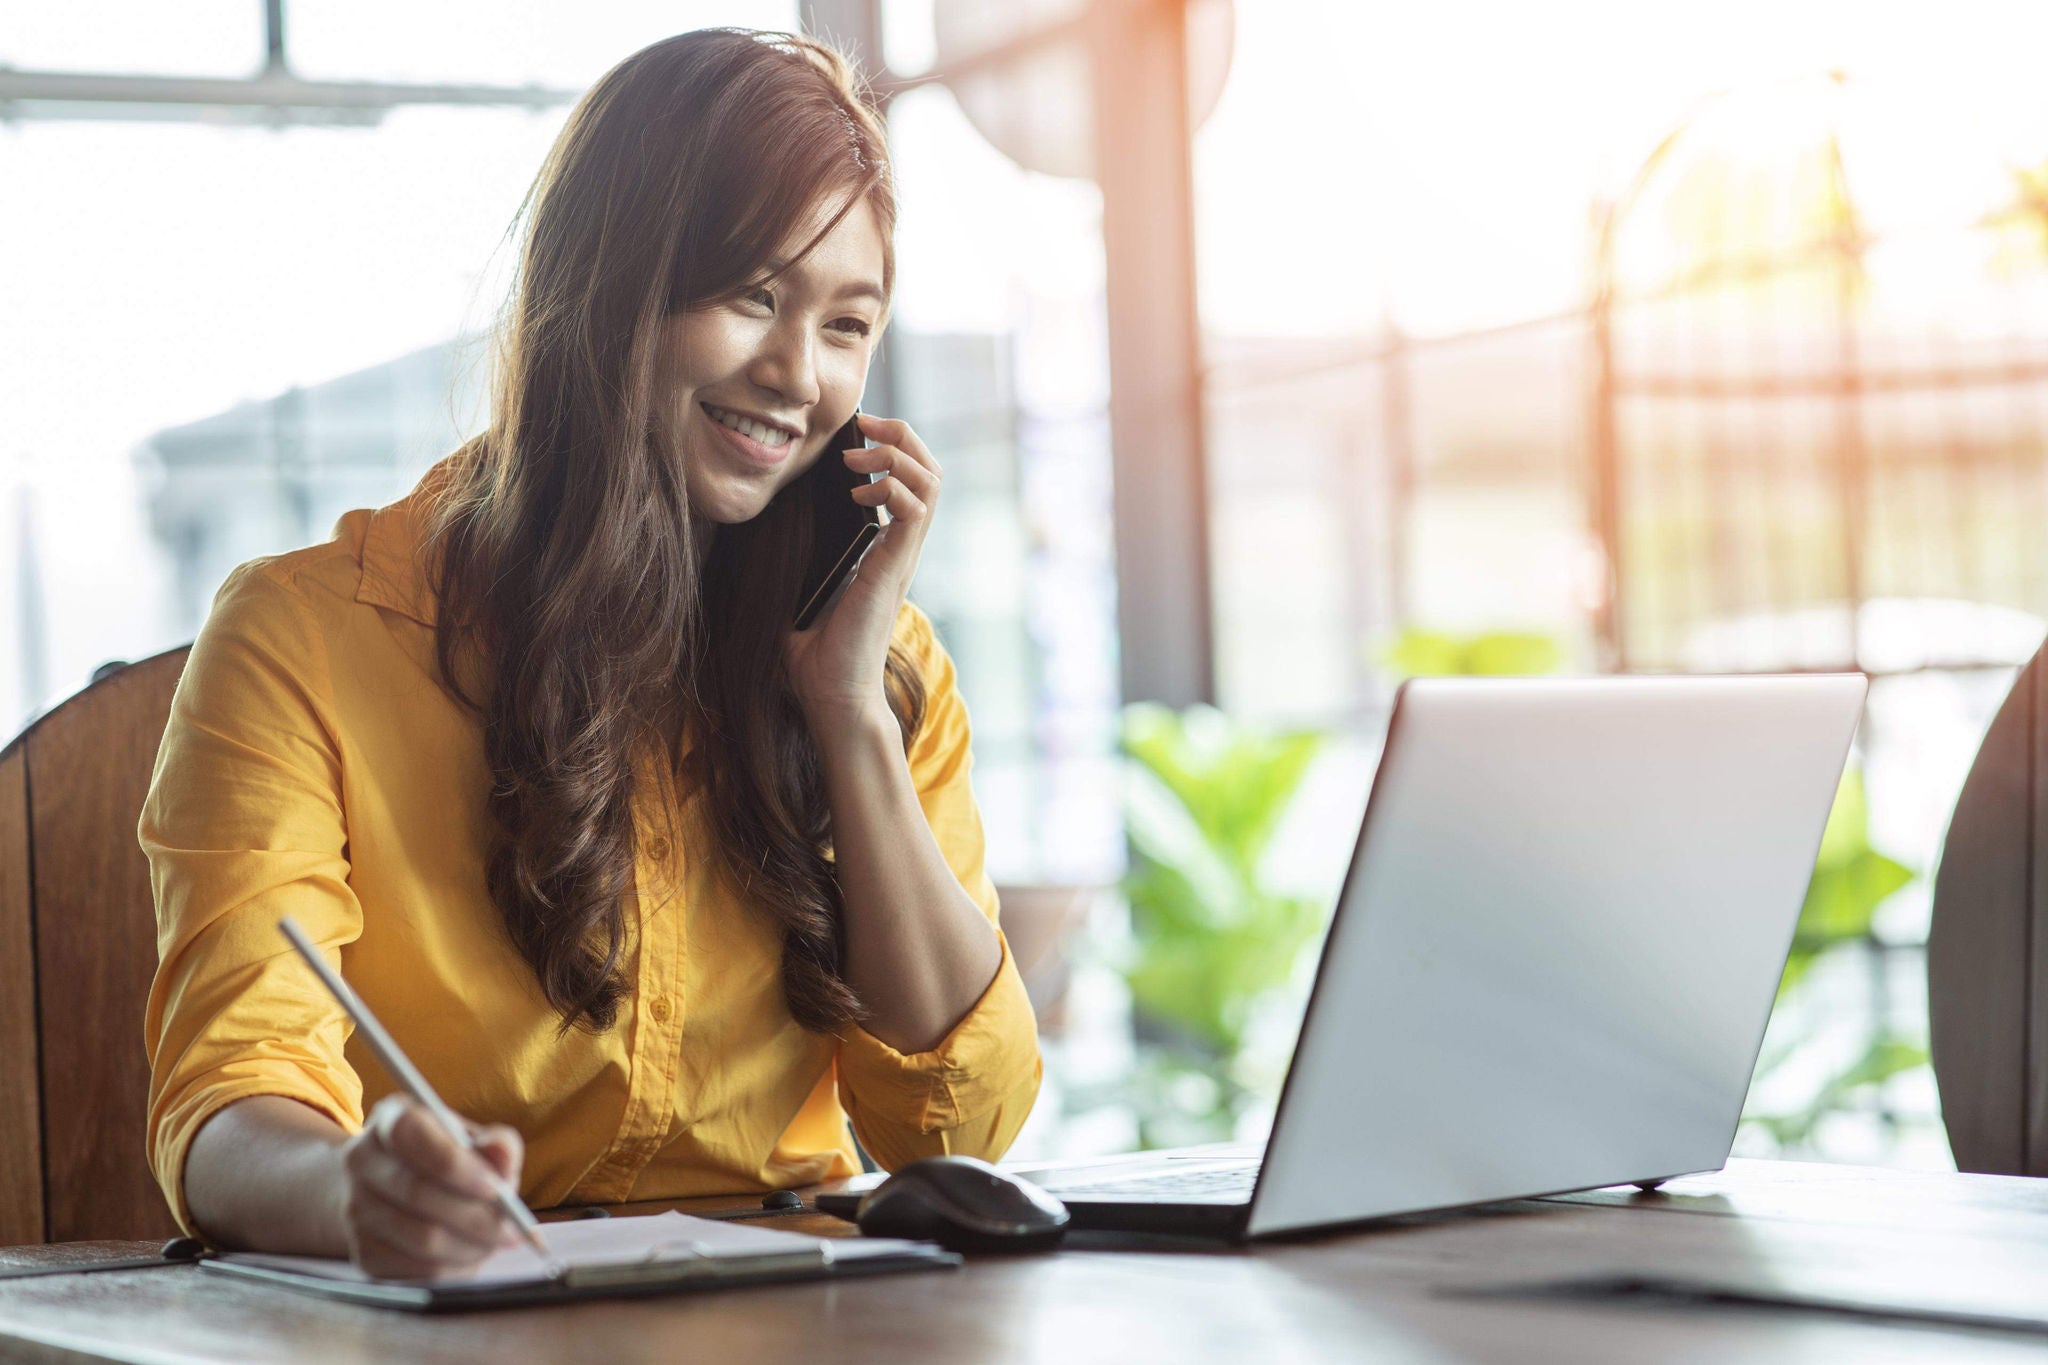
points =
(841, 529)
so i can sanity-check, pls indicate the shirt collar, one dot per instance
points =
(395, 570)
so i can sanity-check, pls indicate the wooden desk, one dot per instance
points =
(1375, 1294)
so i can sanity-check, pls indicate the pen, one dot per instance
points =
(408, 1076)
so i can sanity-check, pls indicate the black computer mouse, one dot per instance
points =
(963, 1203)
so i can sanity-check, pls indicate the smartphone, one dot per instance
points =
(841, 529)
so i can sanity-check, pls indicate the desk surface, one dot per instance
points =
(1372, 1294)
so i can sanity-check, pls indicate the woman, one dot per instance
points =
(632, 870)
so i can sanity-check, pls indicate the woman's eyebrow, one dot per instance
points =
(853, 289)
(863, 289)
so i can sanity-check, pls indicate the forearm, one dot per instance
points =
(919, 951)
(265, 1174)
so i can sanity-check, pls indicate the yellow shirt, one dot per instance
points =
(314, 766)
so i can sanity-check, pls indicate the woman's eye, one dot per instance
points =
(766, 299)
(859, 327)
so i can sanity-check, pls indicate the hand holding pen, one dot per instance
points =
(428, 1193)
(418, 1205)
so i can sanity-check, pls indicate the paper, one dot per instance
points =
(597, 1244)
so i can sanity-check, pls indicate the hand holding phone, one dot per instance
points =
(841, 529)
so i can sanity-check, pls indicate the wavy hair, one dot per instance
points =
(564, 553)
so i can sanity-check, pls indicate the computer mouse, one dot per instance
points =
(965, 1204)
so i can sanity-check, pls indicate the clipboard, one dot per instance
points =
(668, 1253)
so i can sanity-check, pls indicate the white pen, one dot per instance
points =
(408, 1076)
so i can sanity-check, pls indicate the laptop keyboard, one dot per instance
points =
(1205, 1182)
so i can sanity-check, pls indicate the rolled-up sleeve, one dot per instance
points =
(244, 823)
(972, 1092)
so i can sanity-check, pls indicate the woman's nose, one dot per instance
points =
(786, 364)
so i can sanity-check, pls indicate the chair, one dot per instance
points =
(77, 951)
(1987, 951)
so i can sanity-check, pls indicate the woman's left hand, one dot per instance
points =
(836, 666)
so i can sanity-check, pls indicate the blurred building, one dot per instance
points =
(268, 475)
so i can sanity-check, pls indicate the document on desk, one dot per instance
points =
(657, 1253)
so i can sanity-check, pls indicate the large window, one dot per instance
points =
(222, 335)
(998, 361)
(1740, 312)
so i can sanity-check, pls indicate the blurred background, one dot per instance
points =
(1275, 351)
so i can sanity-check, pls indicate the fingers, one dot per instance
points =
(418, 1231)
(422, 1200)
(899, 452)
(410, 1133)
(892, 432)
(501, 1148)
(893, 462)
(910, 484)
(903, 504)
(417, 1202)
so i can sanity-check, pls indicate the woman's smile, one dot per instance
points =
(756, 452)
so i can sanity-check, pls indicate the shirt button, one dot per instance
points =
(659, 1009)
(658, 849)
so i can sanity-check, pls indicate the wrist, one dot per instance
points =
(856, 720)
(854, 731)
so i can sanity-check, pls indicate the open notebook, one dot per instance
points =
(655, 1254)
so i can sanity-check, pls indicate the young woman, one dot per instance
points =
(656, 891)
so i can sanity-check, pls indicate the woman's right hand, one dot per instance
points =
(417, 1204)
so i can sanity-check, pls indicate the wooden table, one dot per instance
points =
(1387, 1293)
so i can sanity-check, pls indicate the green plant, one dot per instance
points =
(1419, 653)
(1851, 879)
(1212, 940)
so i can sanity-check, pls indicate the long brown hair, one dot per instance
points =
(565, 552)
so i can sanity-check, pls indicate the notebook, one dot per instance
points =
(605, 1257)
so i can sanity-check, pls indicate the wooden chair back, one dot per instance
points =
(1987, 951)
(77, 952)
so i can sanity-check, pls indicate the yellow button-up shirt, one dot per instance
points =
(315, 766)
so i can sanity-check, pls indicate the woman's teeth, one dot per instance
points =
(747, 426)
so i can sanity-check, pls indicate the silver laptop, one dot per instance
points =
(1551, 962)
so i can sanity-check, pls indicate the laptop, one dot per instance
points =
(1551, 962)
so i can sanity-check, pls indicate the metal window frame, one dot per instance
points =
(274, 96)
